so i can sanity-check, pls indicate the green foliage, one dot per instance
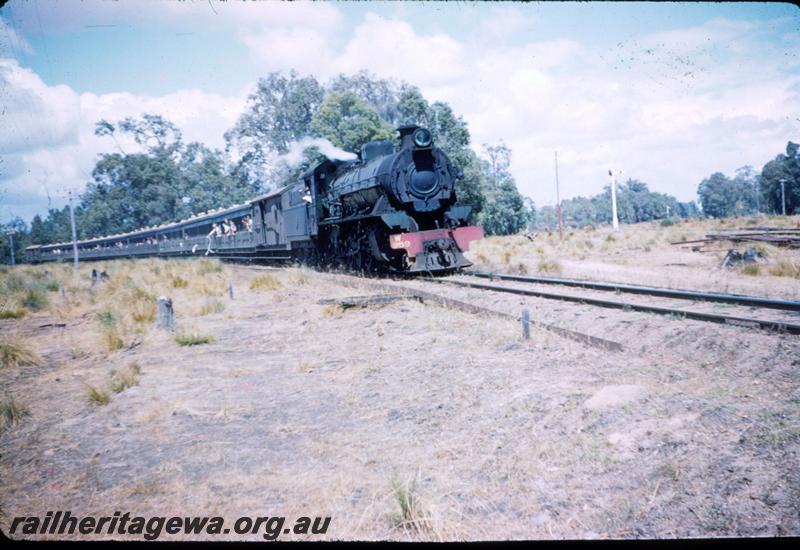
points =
(722, 197)
(784, 167)
(635, 203)
(20, 239)
(14, 283)
(107, 319)
(504, 211)
(51, 285)
(349, 123)
(379, 94)
(278, 113)
(35, 299)
(167, 181)
(54, 228)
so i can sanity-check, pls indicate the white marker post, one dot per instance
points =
(558, 205)
(614, 219)
(783, 195)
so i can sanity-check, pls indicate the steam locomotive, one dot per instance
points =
(388, 211)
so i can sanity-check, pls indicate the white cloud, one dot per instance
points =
(47, 135)
(282, 49)
(33, 114)
(392, 48)
(11, 40)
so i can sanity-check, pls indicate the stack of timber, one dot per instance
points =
(778, 236)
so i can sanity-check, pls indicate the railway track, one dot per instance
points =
(739, 299)
(787, 326)
(782, 325)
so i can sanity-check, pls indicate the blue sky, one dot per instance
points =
(666, 92)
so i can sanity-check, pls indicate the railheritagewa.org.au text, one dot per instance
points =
(151, 528)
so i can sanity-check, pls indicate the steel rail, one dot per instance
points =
(779, 326)
(753, 301)
(473, 309)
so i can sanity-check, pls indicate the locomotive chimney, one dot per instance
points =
(407, 135)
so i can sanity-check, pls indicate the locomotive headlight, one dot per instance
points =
(422, 138)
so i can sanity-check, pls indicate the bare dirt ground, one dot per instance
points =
(302, 409)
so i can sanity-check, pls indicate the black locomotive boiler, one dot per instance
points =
(391, 210)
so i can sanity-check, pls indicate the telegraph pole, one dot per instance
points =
(10, 234)
(74, 234)
(758, 194)
(558, 204)
(783, 194)
(614, 219)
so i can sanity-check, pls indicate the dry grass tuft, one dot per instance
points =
(192, 339)
(481, 258)
(125, 377)
(265, 282)
(301, 275)
(179, 282)
(751, 269)
(97, 396)
(404, 493)
(548, 266)
(786, 268)
(11, 413)
(305, 367)
(212, 305)
(17, 355)
(331, 310)
(35, 299)
(206, 266)
(109, 324)
(107, 319)
(211, 289)
(113, 340)
(412, 514)
(143, 312)
(12, 313)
